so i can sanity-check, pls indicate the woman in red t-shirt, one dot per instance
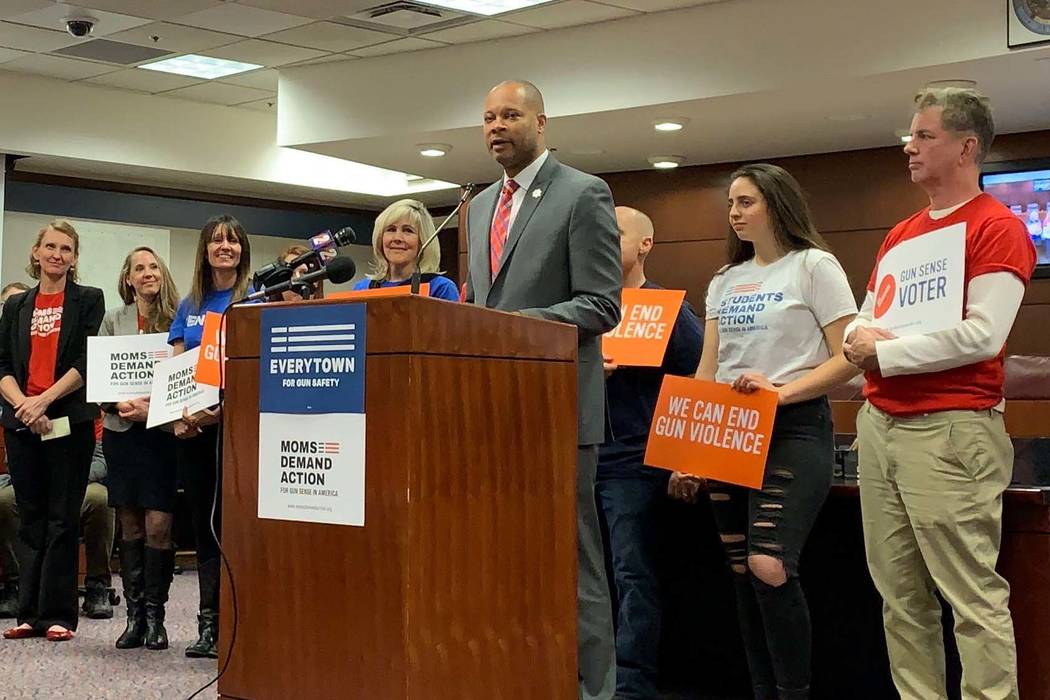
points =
(48, 427)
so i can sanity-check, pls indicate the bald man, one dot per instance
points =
(629, 492)
(543, 242)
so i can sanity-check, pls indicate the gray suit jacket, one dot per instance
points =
(121, 320)
(562, 263)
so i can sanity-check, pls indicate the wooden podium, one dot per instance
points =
(462, 583)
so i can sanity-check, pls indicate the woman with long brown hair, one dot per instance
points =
(142, 467)
(43, 366)
(775, 320)
(221, 276)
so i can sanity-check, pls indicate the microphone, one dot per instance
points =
(338, 270)
(468, 189)
(277, 272)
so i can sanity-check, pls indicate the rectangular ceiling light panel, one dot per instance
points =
(486, 7)
(204, 67)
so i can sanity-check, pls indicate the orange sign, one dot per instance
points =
(402, 290)
(213, 348)
(647, 319)
(709, 430)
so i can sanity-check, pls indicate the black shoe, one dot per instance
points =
(96, 602)
(9, 600)
(156, 635)
(132, 573)
(206, 646)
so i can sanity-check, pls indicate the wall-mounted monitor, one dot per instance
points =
(1024, 187)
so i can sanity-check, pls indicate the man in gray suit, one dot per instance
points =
(544, 242)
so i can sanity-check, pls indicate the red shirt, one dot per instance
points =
(43, 342)
(996, 241)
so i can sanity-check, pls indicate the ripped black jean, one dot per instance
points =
(775, 521)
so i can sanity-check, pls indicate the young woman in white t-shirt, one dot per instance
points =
(775, 320)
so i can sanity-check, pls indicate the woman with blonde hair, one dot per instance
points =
(399, 232)
(43, 365)
(142, 465)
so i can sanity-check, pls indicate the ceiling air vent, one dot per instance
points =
(404, 16)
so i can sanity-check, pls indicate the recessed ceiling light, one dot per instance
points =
(904, 135)
(666, 162)
(204, 67)
(485, 7)
(670, 124)
(848, 117)
(954, 82)
(433, 150)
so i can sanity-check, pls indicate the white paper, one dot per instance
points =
(120, 368)
(312, 467)
(59, 429)
(174, 389)
(920, 283)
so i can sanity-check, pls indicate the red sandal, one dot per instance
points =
(22, 633)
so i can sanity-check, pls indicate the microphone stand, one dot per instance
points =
(468, 189)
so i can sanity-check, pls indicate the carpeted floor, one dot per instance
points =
(90, 668)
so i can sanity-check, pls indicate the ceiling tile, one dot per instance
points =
(220, 93)
(318, 9)
(152, 9)
(54, 17)
(175, 37)
(56, 67)
(567, 14)
(479, 31)
(11, 54)
(243, 20)
(17, 36)
(10, 8)
(397, 46)
(264, 53)
(144, 80)
(265, 79)
(331, 58)
(329, 36)
(657, 5)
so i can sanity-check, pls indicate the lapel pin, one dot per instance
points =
(537, 193)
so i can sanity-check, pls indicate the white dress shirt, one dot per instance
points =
(524, 179)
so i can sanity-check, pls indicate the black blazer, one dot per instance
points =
(82, 314)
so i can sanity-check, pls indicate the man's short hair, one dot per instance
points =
(965, 111)
(533, 96)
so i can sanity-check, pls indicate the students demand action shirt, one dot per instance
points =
(771, 317)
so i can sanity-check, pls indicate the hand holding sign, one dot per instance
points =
(860, 349)
(712, 431)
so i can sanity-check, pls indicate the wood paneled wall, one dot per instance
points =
(855, 196)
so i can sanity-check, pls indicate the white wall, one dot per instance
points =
(104, 244)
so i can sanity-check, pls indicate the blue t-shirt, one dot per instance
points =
(440, 287)
(188, 325)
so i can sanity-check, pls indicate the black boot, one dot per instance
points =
(96, 601)
(9, 599)
(160, 565)
(206, 645)
(132, 573)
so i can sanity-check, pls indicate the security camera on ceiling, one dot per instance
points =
(80, 25)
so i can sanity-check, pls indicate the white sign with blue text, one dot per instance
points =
(920, 283)
(312, 414)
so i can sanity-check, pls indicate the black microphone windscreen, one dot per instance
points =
(341, 269)
(345, 236)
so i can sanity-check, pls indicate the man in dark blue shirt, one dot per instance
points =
(629, 492)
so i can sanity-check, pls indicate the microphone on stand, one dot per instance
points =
(468, 189)
(338, 270)
(278, 272)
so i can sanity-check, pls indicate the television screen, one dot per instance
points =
(1027, 194)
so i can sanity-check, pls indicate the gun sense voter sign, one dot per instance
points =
(919, 284)
(647, 319)
(711, 431)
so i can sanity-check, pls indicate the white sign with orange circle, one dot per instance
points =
(920, 283)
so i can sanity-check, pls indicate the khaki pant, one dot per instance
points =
(931, 491)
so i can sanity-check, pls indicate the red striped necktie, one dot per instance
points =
(501, 225)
